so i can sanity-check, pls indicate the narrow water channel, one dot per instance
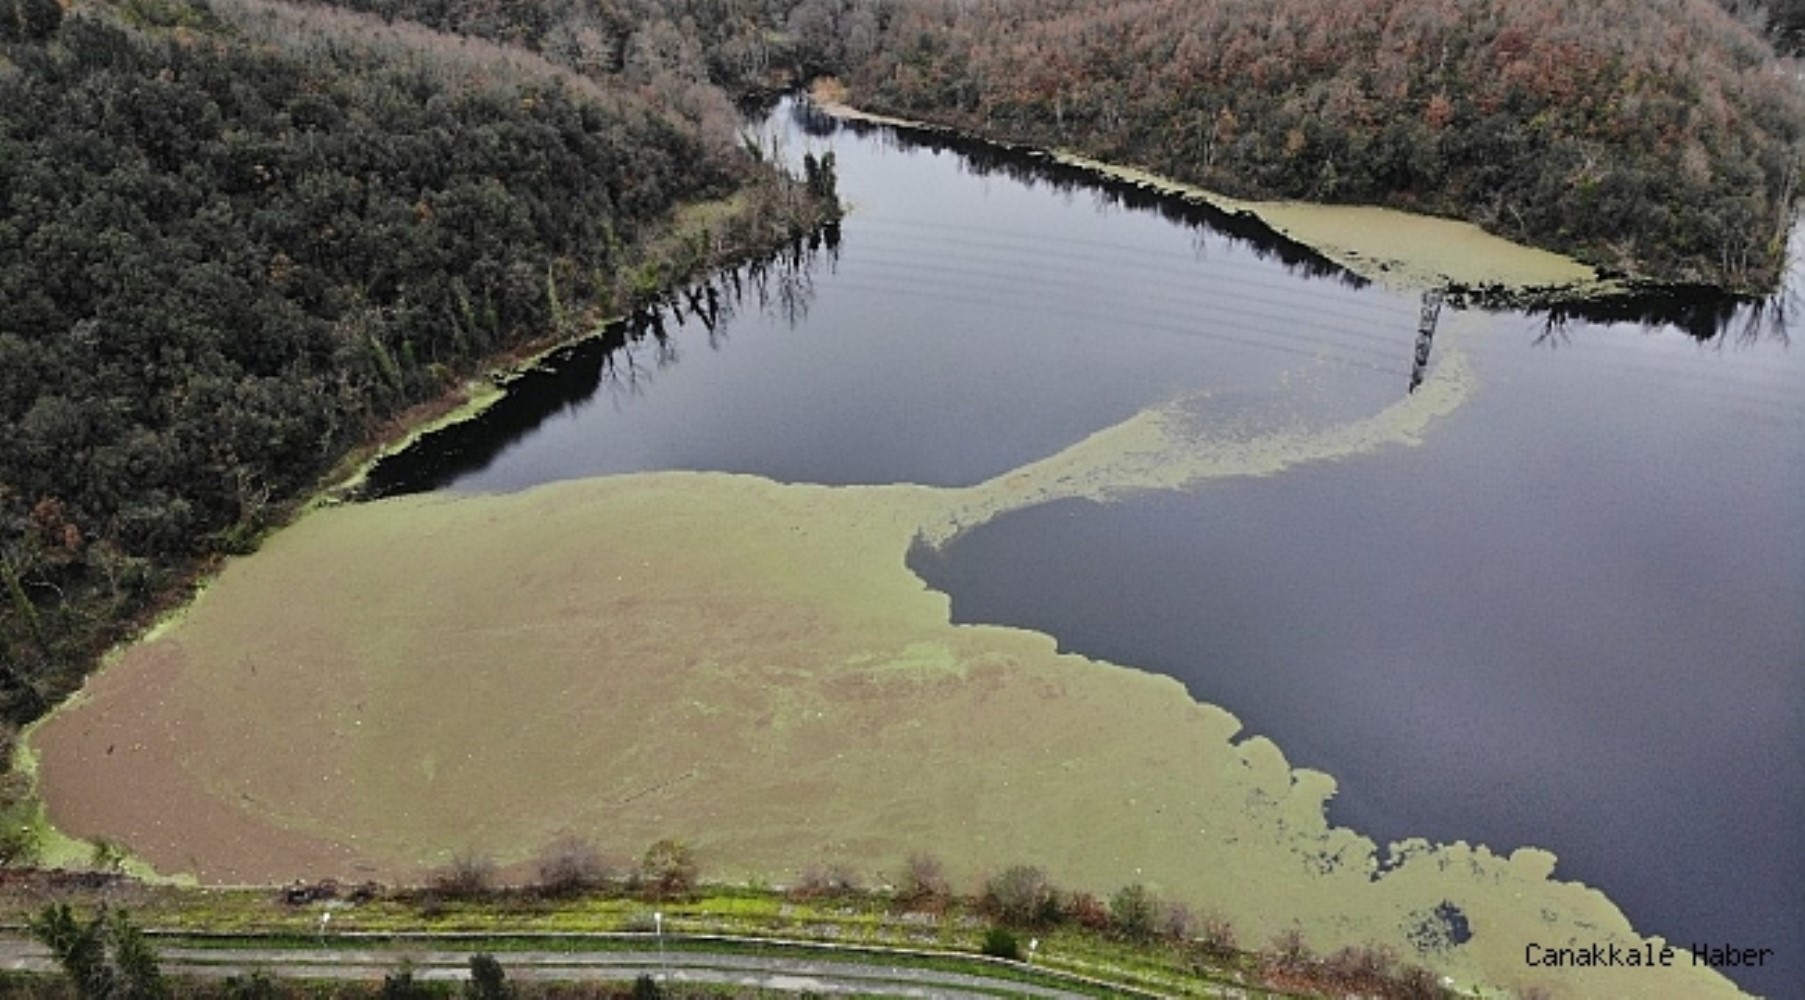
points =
(1571, 619)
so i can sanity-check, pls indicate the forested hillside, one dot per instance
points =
(235, 238)
(1656, 137)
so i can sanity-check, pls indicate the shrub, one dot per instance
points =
(1368, 969)
(401, 984)
(571, 865)
(106, 956)
(842, 880)
(468, 876)
(999, 943)
(1288, 951)
(487, 980)
(1022, 896)
(1133, 911)
(923, 881)
(1178, 922)
(1218, 937)
(668, 869)
(259, 985)
(1087, 911)
(833, 880)
(1417, 983)
(106, 856)
(19, 842)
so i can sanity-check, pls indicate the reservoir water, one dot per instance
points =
(1573, 618)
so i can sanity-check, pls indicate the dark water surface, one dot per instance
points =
(1573, 618)
(966, 323)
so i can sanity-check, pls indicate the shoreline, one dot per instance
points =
(1396, 249)
(464, 401)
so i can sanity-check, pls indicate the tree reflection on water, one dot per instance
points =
(621, 359)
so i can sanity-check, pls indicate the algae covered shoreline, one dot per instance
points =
(751, 667)
(1400, 250)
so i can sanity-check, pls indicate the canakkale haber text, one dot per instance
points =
(1645, 954)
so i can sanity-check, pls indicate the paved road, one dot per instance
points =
(776, 973)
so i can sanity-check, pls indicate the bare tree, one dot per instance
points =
(468, 876)
(923, 881)
(571, 865)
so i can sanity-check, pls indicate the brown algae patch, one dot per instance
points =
(750, 667)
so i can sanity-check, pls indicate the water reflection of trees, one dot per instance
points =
(620, 360)
(1705, 314)
(1036, 169)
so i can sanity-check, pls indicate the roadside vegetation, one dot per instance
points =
(1015, 924)
(1658, 140)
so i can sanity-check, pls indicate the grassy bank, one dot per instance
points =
(1103, 956)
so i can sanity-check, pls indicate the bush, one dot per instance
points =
(487, 980)
(1133, 911)
(401, 985)
(1087, 911)
(571, 865)
(923, 881)
(259, 985)
(1218, 937)
(668, 869)
(106, 956)
(1022, 896)
(106, 856)
(19, 842)
(468, 876)
(999, 943)
(1417, 983)
(1288, 951)
(1367, 969)
(816, 881)
(1177, 922)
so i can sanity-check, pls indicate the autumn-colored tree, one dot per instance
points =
(669, 869)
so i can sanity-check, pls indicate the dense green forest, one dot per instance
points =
(1653, 137)
(237, 237)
